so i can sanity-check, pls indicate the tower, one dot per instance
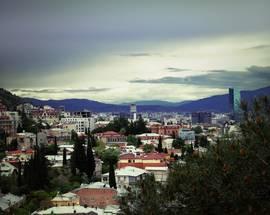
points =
(133, 112)
(234, 102)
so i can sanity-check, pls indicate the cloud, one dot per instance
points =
(174, 69)
(263, 46)
(50, 91)
(137, 54)
(253, 77)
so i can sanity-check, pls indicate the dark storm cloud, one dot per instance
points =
(173, 69)
(39, 35)
(48, 91)
(253, 77)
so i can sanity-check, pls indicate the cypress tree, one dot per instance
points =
(159, 149)
(112, 181)
(91, 165)
(55, 146)
(19, 178)
(64, 157)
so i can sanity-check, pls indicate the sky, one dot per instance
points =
(122, 50)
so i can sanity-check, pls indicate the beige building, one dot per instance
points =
(67, 199)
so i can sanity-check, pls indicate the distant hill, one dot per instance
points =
(157, 103)
(9, 99)
(218, 103)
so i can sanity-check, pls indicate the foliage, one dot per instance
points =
(148, 148)
(178, 143)
(122, 125)
(36, 171)
(159, 149)
(91, 164)
(233, 177)
(197, 130)
(110, 157)
(9, 99)
(144, 199)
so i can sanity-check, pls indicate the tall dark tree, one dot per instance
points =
(91, 164)
(110, 157)
(55, 148)
(159, 149)
(19, 177)
(64, 157)
(36, 170)
(232, 177)
(78, 157)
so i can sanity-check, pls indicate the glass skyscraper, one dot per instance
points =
(234, 102)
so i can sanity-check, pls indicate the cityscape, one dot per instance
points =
(134, 107)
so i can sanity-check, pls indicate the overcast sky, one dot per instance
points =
(121, 51)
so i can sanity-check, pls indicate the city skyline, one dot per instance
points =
(122, 51)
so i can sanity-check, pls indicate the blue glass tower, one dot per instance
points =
(234, 102)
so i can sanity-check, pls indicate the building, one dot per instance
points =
(82, 124)
(10, 201)
(9, 121)
(160, 173)
(46, 114)
(67, 199)
(143, 161)
(112, 137)
(234, 102)
(7, 169)
(133, 112)
(201, 118)
(68, 210)
(26, 140)
(96, 195)
(14, 157)
(187, 135)
(171, 130)
(126, 177)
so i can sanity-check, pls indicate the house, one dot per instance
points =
(112, 137)
(126, 177)
(143, 160)
(160, 173)
(7, 169)
(187, 135)
(14, 157)
(67, 199)
(9, 201)
(96, 195)
(171, 130)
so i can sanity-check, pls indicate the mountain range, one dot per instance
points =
(218, 103)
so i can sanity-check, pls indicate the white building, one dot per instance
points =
(126, 177)
(160, 172)
(7, 169)
(70, 210)
(81, 123)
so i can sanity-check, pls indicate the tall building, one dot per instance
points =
(234, 102)
(201, 117)
(133, 112)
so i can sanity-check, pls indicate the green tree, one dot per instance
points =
(197, 130)
(232, 177)
(159, 149)
(64, 157)
(91, 164)
(110, 157)
(132, 140)
(55, 146)
(147, 148)
(178, 143)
